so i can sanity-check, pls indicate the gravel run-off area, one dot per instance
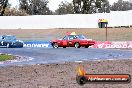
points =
(62, 75)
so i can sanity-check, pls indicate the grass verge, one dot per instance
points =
(4, 57)
(98, 34)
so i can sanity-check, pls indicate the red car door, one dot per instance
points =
(64, 42)
(71, 40)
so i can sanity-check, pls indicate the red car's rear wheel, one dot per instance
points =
(86, 46)
(77, 45)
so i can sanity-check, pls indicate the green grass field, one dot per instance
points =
(5, 57)
(114, 34)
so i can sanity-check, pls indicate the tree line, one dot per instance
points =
(40, 7)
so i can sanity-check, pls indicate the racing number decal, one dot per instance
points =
(64, 43)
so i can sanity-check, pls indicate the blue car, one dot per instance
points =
(10, 41)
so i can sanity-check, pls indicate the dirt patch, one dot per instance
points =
(62, 75)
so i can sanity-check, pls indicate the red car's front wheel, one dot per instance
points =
(55, 45)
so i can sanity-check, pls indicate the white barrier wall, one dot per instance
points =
(115, 18)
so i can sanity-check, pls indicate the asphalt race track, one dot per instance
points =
(60, 55)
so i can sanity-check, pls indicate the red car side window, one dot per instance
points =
(74, 37)
(70, 37)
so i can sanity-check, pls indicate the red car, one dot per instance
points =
(76, 41)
